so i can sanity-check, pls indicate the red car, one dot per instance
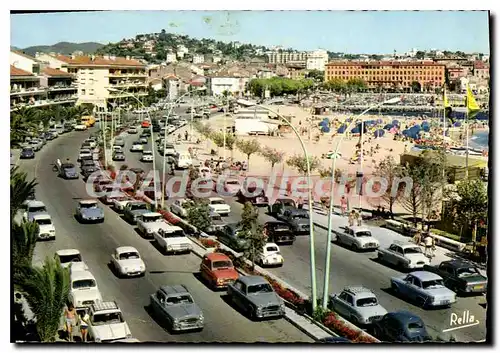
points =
(218, 270)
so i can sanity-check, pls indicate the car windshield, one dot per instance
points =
(300, 216)
(363, 233)
(64, 259)
(67, 166)
(369, 301)
(141, 206)
(88, 162)
(88, 205)
(175, 234)
(150, 219)
(260, 288)
(415, 326)
(107, 319)
(84, 151)
(84, 283)
(232, 182)
(169, 146)
(436, 283)
(216, 218)
(281, 228)
(129, 255)
(27, 150)
(413, 250)
(147, 153)
(217, 202)
(37, 209)
(467, 271)
(222, 264)
(180, 299)
(272, 249)
(288, 203)
(44, 221)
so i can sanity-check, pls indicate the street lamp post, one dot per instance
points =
(165, 139)
(311, 222)
(152, 143)
(332, 184)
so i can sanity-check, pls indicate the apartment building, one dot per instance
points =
(481, 70)
(171, 58)
(24, 62)
(102, 79)
(392, 75)
(317, 60)
(282, 57)
(198, 59)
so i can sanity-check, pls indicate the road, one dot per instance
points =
(349, 268)
(97, 242)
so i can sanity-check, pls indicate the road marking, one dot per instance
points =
(459, 327)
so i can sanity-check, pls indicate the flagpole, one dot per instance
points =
(467, 144)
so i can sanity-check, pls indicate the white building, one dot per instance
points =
(24, 62)
(317, 60)
(181, 51)
(172, 87)
(235, 85)
(171, 58)
(217, 59)
(197, 70)
(198, 58)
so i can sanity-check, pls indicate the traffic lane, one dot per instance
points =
(97, 242)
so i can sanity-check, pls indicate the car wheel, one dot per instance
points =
(421, 302)
(354, 247)
(380, 257)
(394, 288)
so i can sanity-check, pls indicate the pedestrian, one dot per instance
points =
(300, 203)
(351, 218)
(417, 238)
(84, 325)
(70, 318)
(343, 205)
(186, 135)
(428, 241)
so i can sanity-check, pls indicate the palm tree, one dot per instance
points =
(20, 189)
(22, 122)
(46, 292)
(23, 240)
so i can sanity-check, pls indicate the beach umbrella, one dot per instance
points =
(325, 129)
(341, 129)
(457, 124)
(388, 126)
(395, 122)
(379, 121)
(379, 133)
(331, 155)
(393, 130)
(356, 130)
(426, 128)
(406, 132)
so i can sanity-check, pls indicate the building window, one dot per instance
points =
(83, 91)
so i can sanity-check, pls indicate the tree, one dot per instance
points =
(23, 241)
(252, 232)
(390, 170)
(198, 215)
(471, 205)
(218, 139)
(416, 86)
(272, 155)
(336, 85)
(411, 199)
(300, 163)
(432, 179)
(420, 55)
(356, 85)
(248, 147)
(20, 190)
(46, 292)
(22, 122)
(316, 75)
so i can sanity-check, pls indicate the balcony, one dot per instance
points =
(126, 94)
(45, 102)
(27, 91)
(127, 74)
(125, 84)
(62, 87)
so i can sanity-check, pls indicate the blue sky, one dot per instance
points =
(341, 31)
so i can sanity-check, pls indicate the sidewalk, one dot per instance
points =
(15, 155)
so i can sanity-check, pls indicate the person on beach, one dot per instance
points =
(70, 320)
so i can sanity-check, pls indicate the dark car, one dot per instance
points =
(87, 163)
(461, 277)
(156, 128)
(87, 171)
(118, 156)
(49, 136)
(85, 159)
(279, 232)
(146, 132)
(27, 153)
(228, 236)
(251, 194)
(401, 326)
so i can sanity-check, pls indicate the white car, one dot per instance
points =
(137, 147)
(83, 289)
(71, 258)
(179, 207)
(132, 130)
(126, 261)
(92, 142)
(46, 229)
(107, 323)
(120, 202)
(151, 222)
(173, 240)
(205, 173)
(357, 238)
(84, 153)
(405, 255)
(147, 156)
(270, 256)
(117, 149)
(80, 127)
(34, 207)
(218, 205)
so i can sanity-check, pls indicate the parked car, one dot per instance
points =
(358, 305)
(297, 218)
(127, 262)
(27, 153)
(279, 206)
(118, 149)
(270, 256)
(34, 207)
(407, 256)
(119, 141)
(217, 223)
(88, 171)
(172, 239)
(229, 186)
(401, 326)
(136, 147)
(218, 270)
(426, 289)
(120, 202)
(174, 305)
(89, 211)
(71, 258)
(118, 156)
(106, 323)
(218, 205)
(147, 157)
(144, 139)
(134, 210)
(229, 237)
(46, 229)
(279, 232)
(179, 207)
(151, 222)
(357, 238)
(83, 289)
(252, 195)
(84, 153)
(256, 297)
(80, 127)
(169, 149)
(461, 277)
(91, 142)
(67, 171)
(36, 144)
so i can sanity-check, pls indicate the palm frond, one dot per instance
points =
(20, 189)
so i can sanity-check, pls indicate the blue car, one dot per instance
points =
(89, 211)
(27, 153)
(401, 326)
(68, 171)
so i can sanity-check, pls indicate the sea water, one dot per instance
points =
(479, 140)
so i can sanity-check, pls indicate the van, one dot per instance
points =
(182, 160)
(87, 120)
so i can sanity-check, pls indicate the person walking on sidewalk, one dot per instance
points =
(84, 325)
(428, 242)
(70, 320)
(343, 205)
(300, 203)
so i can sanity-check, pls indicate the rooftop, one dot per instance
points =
(251, 280)
(18, 52)
(217, 257)
(124, 249)
(100, 61)
(55, 72)
(383, 63)
(66, 252)
(14, 71)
